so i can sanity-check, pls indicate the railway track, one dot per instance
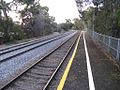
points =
(26, 42)
(15, 65)
(40, 73)
(16, 50)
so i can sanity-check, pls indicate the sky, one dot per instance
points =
(61, 9)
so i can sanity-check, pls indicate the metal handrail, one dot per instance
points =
(101, 38)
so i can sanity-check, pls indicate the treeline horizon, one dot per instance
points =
(103, 17)
(34, 21)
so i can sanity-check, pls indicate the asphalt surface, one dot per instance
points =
(77, 77)
(106, 74)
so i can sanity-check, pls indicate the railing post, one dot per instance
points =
(93, 34)
(109, 42)
(118, 49)
(103, 39)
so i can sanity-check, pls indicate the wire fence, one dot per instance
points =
(110, 44)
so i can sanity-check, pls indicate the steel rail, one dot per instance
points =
(7, 50)
(23, 43)
(42, 43)
(47, 84)
(33, 64)
(26, 44)
(19, 44)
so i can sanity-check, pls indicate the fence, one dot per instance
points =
(111, 44)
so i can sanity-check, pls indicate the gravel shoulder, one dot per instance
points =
(26, 40)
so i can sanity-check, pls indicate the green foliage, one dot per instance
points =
(118, 17)
(35, 20)
(66, 26)
(5, 20)
(78, 25)
(17, 33)
(87, 16)
(104, 17)
(28, 2)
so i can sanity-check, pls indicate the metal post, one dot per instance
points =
(93, 19)
(103, 40)
(109, 42)
(118, 49)
(93, 34)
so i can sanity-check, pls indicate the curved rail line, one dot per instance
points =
(37, 64)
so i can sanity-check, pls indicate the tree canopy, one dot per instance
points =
(34, 20)
(104, 16)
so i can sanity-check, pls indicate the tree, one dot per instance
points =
(35, 18)
(104, 16)
(78, 25)
(66, 26)
(5, 20)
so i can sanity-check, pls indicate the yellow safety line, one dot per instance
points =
(64, 77)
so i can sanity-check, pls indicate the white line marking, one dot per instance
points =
(90, 76)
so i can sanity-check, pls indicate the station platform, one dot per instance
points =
(105, 73)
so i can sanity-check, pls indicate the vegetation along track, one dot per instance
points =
(39, 75)
(29, 43)
(15, 51)
(24, 44)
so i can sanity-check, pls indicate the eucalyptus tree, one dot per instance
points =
(106, 15)
(35, 18)
(26, 14)
(5, 20)
(109, 14)
(65, 26)
(78, 24)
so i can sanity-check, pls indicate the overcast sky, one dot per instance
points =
(61, 9)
